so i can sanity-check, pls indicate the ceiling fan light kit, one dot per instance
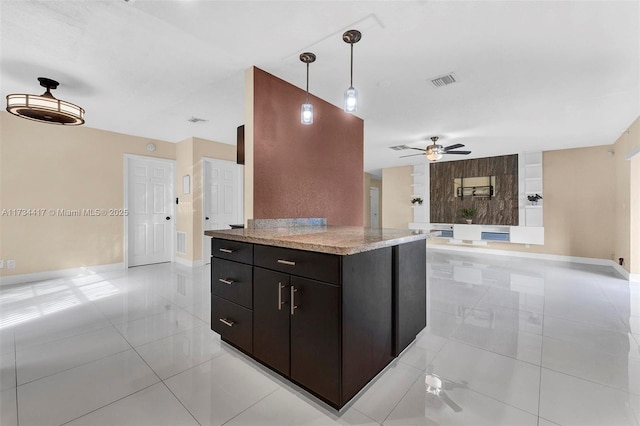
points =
(435, 151)
(45, 108)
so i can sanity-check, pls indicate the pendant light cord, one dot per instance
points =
(307, 82)
(351, 83)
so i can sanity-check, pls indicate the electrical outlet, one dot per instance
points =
(11, 264)
(1, 264)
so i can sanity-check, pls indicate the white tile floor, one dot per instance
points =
(515, 342)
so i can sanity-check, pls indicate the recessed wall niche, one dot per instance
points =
(501, 208)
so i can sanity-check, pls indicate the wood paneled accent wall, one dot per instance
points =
(502, 209)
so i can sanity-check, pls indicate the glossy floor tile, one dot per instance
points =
(220, 389)
(152, 406)
(509, 341)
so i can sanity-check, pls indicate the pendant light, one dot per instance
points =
(351, 94)
(45, 108)
(306, 111)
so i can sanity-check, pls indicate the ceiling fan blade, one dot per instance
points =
(458, 152)
(419, 149)
(412, 155)
(454, 146)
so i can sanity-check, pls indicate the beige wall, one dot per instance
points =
(371, 181)
(44, 166)
(579, 214)
(396, 197)
(627, 192)
(55, 167)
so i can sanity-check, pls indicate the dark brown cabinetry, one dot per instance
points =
(329, 323)
(232, 292)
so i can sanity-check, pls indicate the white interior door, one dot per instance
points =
(222, 199)
(375, 207)
(150, 222)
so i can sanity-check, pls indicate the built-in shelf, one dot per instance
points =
(533, 184)
(417, 184)
(417, 174)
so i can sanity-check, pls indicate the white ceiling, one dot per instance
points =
(532, 75)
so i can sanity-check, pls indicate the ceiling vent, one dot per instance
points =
(444, 80)
(399, 147)
(197, 120)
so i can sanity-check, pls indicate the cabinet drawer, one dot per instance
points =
(318, 266)
(232, 322)
(232, 281)
(232, 250)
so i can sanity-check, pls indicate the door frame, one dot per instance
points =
(239, 199)
(172, 164)
(377, 190)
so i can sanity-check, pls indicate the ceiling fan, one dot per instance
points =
(435, 152)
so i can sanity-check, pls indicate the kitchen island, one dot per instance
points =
(327, 307)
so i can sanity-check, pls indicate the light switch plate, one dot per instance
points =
(1, 264)
(11, 264)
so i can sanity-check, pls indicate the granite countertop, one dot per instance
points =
(341, 240)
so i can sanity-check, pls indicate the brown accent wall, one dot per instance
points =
(502, 209)
(304, 171)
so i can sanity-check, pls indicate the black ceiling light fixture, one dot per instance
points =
(45, 108)
(351, 94)
(306, 111)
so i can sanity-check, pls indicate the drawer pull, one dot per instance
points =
(227, 322)
(229, 282)
(226, 250)
(286, 262)
(293, 300)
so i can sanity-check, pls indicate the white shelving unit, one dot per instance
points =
(533, 185)
(420, 188)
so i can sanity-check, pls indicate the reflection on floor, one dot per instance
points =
(509, 341)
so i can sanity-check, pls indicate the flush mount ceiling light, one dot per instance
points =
(351, 94)
(45, 108)
(306, 111)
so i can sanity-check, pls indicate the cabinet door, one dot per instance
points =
(271, 311)
(315, 337)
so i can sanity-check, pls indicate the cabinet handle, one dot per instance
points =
(226, 250)
(229, 282)
(286, 262)
(293, 300)
(227, 322)
(280, 302)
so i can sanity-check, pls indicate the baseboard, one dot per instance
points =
(541, 256)
(60, 273)
(189, 263)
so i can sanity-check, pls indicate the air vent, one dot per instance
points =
(444, 80)
(399, 147)
(181, 242)
(197, 120)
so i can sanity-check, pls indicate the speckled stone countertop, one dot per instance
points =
(341, 240)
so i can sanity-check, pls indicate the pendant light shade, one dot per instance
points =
(45, 108)
(306, 111)
(351, 94)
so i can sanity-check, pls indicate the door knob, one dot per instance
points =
(168, 218)
(206, 218)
